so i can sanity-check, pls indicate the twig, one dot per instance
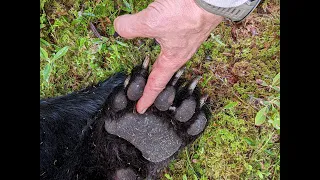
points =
(244, 102)
(95, 32)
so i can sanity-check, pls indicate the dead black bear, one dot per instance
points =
(96, 134)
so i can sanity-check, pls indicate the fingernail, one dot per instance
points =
(143, 111)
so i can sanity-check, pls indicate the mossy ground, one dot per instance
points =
(230, 61)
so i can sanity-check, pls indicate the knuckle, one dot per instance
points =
(155, 86)
(151, 17)
(171, 62)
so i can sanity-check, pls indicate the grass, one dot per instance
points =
(233, 61)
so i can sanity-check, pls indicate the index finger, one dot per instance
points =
(162, 71)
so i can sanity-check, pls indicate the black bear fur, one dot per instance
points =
(74, 143)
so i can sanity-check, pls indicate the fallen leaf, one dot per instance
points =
(108, 20)
(253, 31)
(227, 54)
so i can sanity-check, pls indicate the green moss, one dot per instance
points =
(232, 147)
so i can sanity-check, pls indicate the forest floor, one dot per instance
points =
(239, 64)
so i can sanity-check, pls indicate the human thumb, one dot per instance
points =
(132, 26)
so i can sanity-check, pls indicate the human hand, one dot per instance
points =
(180, 27)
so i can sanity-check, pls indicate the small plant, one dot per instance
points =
(217, 38)
(230, 107)
(128, 6)
(48, 68)
(168, 176)
(271, 109)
